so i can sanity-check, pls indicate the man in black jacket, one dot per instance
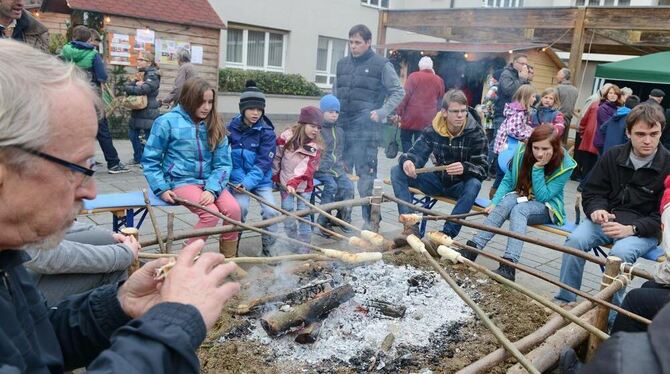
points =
(46, 148)
(622, 198)
(457, 141)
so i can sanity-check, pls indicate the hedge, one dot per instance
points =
(233, 80)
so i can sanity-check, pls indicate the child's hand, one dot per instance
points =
(206, 198)
(168, 196)
(290, 190)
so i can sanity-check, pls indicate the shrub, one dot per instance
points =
(233, 80)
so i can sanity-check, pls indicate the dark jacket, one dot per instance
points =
(567, 94)
(606, 110)
(90, 330)
(252, 150)
(332, 156)
(359, 84)
(614, 130)
(144, 118)
(86, 57)
(469, 148)
(633, 196)
(507, 85)
(30, 31)
(423, 95)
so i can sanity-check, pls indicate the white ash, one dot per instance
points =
(347, 332)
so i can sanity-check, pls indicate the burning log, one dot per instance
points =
(300, 295)
(309, 334)
(387, 309)
(278, 322)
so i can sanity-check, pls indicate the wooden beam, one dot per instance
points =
(577, 48)
(602, 313)
(629, 18)
(381, 27)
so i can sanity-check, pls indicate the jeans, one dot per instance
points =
(138, 137)
(264, 193)
(106, 144)
(406, 137)
(361, 157)
(225, 204)
(335, 189)
(646, 302)
(520, 215)
(292, 227)
(465, 192)
(588, 235)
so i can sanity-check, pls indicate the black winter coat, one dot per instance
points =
(332, 157)
(144, 118)
(508, 84)
(633, 196)
(90, 330)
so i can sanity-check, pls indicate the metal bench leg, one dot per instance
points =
(600, 252)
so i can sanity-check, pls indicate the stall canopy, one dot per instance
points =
(653, 68)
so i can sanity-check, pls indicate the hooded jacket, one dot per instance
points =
(30, 31)
(516, 125)
(613, 131)
(333, 153)
(86, 57)
(144, 118)
(633, 196)
(606, 110)
(423, 93)
(546, 189)
(552, 116)
(253, 149)
(295, 168)
(508, 84)
(177, 153)
(469, 148)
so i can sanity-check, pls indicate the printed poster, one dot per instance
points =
(196, 54)
(119, 49)
(167, 50)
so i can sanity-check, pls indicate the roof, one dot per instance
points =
(192, 12)
(461, 47)
(653, 68)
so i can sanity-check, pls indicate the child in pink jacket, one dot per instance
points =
(297, 158)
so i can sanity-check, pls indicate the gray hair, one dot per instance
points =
(183, 55)
(565, 72)
(627, 91)
(29, 79)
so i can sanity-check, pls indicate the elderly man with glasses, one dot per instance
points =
(47, 134)
(457, 141)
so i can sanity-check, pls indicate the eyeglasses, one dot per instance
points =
(87, 172)
(457, 111)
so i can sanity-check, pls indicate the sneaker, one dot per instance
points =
(506, 271)
(118, 168)
(346, 229)
(132, 162)
(470, 255)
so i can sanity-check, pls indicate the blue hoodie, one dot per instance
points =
(614, 129)
(177, 153)
(253, 149)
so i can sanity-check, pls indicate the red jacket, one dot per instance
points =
(588, 127)
(665, 200)
(423, 93)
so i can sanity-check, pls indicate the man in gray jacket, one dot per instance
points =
(567, 95)
(186, 71)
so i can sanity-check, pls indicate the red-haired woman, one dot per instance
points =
(531, 192)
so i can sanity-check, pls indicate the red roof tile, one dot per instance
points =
(191, 12)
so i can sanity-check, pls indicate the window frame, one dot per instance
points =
(368, 3)
(502, 3)
(329, 60)
(266, 50)
(601, 3)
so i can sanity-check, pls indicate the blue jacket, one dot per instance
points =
(253, 149)
(177, 154)
(614, 129)
(90, 330)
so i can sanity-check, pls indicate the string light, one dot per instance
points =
(544, 49)
(510, 51)
(465, 55)
(421, 53)
(37, 14)
(108, 19)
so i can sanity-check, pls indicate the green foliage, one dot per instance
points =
(118, 118)
(233, 80)
(56, 43)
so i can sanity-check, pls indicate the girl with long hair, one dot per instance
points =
(187, 155)
(611, 102)
(297, 158)
(531, 193)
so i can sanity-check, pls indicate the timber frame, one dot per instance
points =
(609, 30)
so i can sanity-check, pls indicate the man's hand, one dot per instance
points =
(374, 117)
(616, 230)
(455, 168)
(133, 244)
(601, 216)
(523, 74)
(119, 238)
(206, 198)
(489, 209)
(409, 169)
(140, 292)
(168, 196)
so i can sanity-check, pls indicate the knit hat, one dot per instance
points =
(329, 103)
(426, 63)
(657, 93)
(311, 115)
(251, 97)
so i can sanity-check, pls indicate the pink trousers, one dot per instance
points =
(226, 204)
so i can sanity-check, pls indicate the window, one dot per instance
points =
(503, 3)
(383, 4)
(255, 49)
(328, 52)
(602, 2)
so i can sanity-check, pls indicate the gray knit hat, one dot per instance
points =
(251, 97)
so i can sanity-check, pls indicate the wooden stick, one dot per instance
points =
(495, 230)
(529, 341)
(611, 272)
(375, 205)
(420, 247)
(533, 295)
(431, 169)
(538, 274)
(170, 232)
(251, 260)
(410, 219)
(152, 216)
(330, 216)
(290, 214)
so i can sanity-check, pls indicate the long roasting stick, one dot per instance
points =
(154, 223)
(430, 169)
(495, 230)
(330, 216)
(250, 260)
(418, 246)
(416, 218)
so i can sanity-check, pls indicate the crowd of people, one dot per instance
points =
(114, 322)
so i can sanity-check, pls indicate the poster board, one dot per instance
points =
(166, 50)
(124, 49)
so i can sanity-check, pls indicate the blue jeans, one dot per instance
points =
(138, 137)
(292, 227)
(335, 189)
(465, 193)
(264, 193)
(588, 235)
(106, 144)
(520, 215)
(361, 156)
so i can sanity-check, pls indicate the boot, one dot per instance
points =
(228, 248)
(506, 271)
(492, 192)
(472, 256)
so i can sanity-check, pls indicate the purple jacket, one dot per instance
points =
(606, 110)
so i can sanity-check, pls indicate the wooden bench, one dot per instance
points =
(428, 202)
(124, 206)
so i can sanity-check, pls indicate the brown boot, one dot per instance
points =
(492, 192)
(228, 248)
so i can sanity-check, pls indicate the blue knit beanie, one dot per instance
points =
(329, 103)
